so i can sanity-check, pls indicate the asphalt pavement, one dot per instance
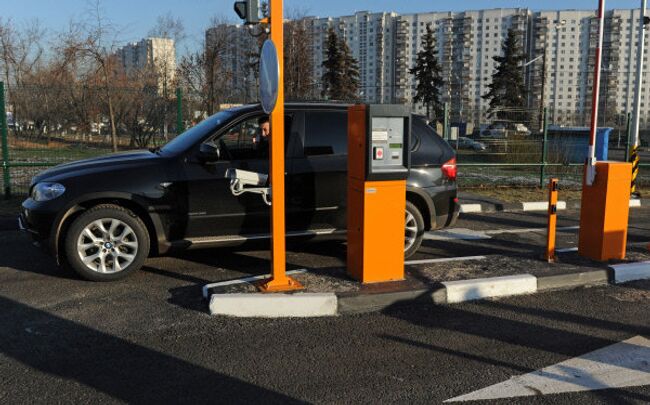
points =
(150, 339)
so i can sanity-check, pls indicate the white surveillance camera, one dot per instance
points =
(246, 178)
(243, 181)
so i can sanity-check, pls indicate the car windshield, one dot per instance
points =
(193, 135)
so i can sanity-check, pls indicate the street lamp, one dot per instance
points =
(556, 26)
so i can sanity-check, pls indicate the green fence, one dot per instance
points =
(48, 126)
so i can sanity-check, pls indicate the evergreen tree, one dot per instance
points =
(341, 77)
(333, 65)
(427, 74)
(350, 77)
(507, 92)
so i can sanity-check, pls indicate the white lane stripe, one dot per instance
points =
(528, 230)
(445, 259)
(456, 234)
(624, 364)
(470, 234)
(635, 203)
(244, 280)
(566, 250)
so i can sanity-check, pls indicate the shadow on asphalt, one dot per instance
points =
(19, 253)
(486, 319)
(123, 370)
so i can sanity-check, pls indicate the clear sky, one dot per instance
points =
(136, 17)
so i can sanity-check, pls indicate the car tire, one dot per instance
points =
(106, 243)
(414, 230)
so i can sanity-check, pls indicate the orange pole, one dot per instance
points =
(552, 221)
(279, 280)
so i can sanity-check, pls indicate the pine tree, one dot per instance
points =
(350, 77)
(341, 77)
(333, 65)
(427, 74)
(507, 92)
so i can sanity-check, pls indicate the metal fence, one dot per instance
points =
(523, 148)
(47, 126)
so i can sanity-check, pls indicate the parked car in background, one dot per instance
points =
(104, 216)
(469, 144)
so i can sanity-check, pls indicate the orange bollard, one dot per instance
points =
(552, 221)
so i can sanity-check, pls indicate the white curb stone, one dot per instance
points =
(468, 290)
(631, 272)
(469, 208)
(274, 305)
(635, 203)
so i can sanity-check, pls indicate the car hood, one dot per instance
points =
(97, 165)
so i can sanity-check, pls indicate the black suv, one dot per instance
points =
(104, 216)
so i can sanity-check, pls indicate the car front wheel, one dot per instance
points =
(414, 230)
(106, 243)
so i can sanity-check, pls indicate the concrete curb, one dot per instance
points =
(274, 305)
(448, 292)
(484, 207)
(630, 272)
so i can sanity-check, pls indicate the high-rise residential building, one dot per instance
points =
(156, 53)
(560, 46)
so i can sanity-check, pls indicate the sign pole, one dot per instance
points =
(279, 280)
(591, 157)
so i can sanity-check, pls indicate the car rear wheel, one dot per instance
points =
(106, 243)
(414, 230)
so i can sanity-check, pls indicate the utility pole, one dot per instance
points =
(542, 112)
(643, 20)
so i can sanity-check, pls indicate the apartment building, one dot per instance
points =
(156, 53)
(559, 44)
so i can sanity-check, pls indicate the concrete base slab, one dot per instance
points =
(631, 272)
(468, 290)
(274, 305)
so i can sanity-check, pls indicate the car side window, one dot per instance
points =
(244, 140)
(326, 133)
(240, 140)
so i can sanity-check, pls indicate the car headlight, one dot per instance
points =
(47, 191)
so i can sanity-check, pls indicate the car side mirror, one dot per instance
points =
(209, 152)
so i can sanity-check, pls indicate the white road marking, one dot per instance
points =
(456, 234)
(445, 259)
(566, 250)
(624, 364)
(470, 234)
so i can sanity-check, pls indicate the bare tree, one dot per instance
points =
(21, 51)
(171, 29)
(298, 59)
(94, 42)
